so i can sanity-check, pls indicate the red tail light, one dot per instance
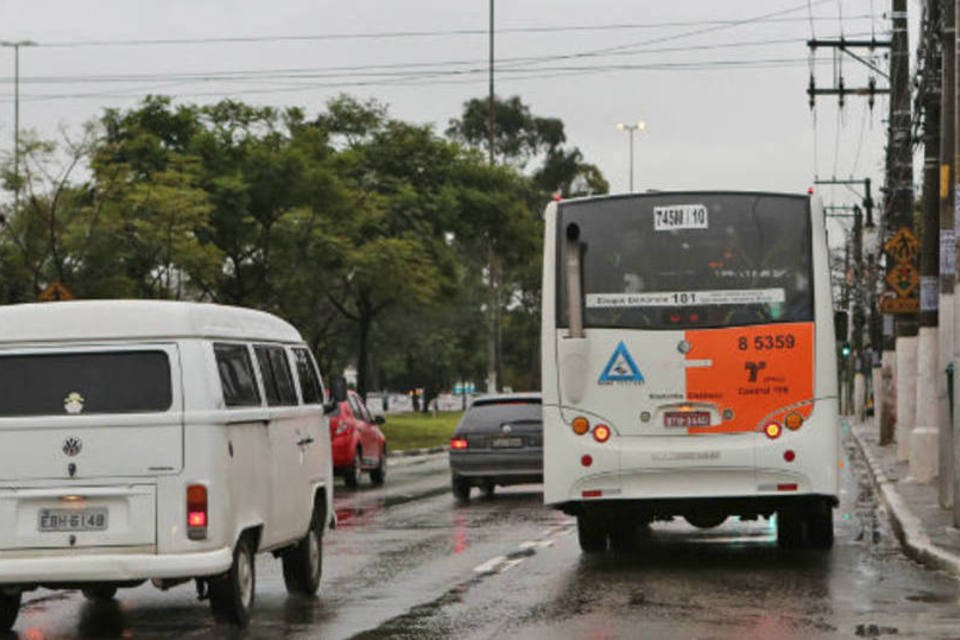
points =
(458, 443)
(197, 512)
(601, 433)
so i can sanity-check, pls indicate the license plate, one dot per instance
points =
(89, 519)
(686, 419)
(506, 443)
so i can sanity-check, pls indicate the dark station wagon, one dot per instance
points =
(499, 441)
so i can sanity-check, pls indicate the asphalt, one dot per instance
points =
(924, 529)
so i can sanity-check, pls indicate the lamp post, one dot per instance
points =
(15, 45)
(630, 127)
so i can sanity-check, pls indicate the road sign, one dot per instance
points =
(902, 246)
(55, 291)
(903, 278)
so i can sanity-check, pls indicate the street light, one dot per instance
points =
(15, 45)
(630, 127)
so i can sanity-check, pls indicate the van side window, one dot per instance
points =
(236, 375)
(309, 381)
(277, 378)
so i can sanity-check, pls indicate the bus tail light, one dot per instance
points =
(601, 433)
(580, 425)
(586, 460)
(773, 430)
(789, 455)
(458, 443)
(793, 421)
(197, 512)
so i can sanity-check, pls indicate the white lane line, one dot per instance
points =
(490, 566)
(510, 564)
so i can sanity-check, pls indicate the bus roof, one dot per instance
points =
(98, 320)
(679, 192)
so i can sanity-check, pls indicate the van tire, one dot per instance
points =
(232, 594)
(9, 609)
(379, 475)
(303, 563)
(352, 475)
(100, 591)
(591, 534)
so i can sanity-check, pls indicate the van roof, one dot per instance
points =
(96, 320)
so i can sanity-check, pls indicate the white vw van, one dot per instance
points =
(158, 440)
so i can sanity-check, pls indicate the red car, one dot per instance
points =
(358, 444)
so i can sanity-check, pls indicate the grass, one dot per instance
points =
(419, 430)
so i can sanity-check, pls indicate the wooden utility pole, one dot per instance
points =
(948, 261)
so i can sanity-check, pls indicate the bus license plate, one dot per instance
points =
(89, 519)
(506, 443)
(686, 419)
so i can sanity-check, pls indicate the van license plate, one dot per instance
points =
(686, 419)
(89, 519)
(506, 443)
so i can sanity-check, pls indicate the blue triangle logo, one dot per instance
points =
(621, 367)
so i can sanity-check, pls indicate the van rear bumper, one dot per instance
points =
(111, 567)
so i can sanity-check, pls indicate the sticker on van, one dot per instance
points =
(73, 403)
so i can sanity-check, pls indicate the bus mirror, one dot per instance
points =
(338, 389)
(840, 325)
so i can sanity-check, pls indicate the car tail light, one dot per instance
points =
(580, 425)
(197, 512)
(793, 421)
(601, 433)
(773, 430)
(458, 443)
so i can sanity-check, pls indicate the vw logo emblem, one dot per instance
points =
(684, 347)
(506, 428)
(72, 446)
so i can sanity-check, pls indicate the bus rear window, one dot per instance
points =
(87, 382)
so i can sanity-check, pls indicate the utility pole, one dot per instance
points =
(956, 221)
(924, 459)
(901, 247)
(15, 45)
(493, 269)
(948, 261)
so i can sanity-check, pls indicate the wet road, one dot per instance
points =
(408, 562)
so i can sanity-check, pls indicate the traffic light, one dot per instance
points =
(845, 350)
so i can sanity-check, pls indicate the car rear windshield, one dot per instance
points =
(88, 382)
(486, 416)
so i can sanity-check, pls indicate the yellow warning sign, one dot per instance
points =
(55, 291)
(902, 246)
(903, 277)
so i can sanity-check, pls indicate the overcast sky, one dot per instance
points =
(720, 83)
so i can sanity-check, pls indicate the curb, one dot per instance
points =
(906, 526)
(411, 453)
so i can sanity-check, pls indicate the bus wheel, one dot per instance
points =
(303, 563)
(820, 527)
(592, 534)
(9, 608)
(232, 594)
(790, 525)
(623, 536)
(100, 591)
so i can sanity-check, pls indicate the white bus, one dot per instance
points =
(689, 364)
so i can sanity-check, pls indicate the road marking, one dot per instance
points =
(490, 566)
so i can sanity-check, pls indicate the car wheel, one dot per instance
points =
(9, 609)
(820, 527)
(303, 563)
(99, 591)
(379, 475)
(461, 488)
(232, 594)
(352, 477)
(489, 489)
(591, 534)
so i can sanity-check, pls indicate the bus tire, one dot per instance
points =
(623, 536)
(233, 593)
(790, 529)
(591, 534)
(100, 591)
(9, 609)
(303, 563)
(461, 488)
(820, 527)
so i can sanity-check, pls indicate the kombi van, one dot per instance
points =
(163, 441)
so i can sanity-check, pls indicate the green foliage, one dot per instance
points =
(419, 430)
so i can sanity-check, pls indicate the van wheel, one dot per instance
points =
(352, 476)
(820, 527)
(461, 488)
(378, 475)
(303, 564)
(232, 594)
(99, 592)
(9, 608)
(591, 534)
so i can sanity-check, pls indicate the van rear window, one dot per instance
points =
(87, 382)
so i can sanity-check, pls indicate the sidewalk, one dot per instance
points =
(924, 529)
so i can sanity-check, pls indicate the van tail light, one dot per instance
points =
(197, 512)
(458, 443)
